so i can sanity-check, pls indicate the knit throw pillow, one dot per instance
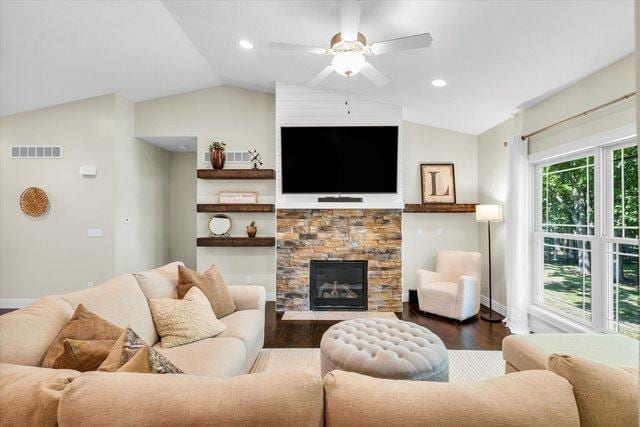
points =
(187, 320)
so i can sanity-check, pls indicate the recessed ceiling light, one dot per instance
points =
(438, 83)
(245, 44)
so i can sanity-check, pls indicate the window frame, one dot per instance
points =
(601, 147)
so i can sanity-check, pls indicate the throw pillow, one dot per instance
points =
(83, 326)
(82, 355)
(156, 285)
(127, 346)
(181, 321)
(212, 284)
(138, 363)
(605, 394)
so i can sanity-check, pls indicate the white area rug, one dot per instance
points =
(464, 365)
(336, 315)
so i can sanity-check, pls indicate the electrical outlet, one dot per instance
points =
(94, 232)
(248, 280)
(420, 232)
(438, 231)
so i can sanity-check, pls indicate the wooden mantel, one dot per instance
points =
(440, 208)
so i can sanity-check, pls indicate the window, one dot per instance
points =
(586, 238)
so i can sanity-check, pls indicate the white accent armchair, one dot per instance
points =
(453, 290)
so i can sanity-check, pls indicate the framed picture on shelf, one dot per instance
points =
(438, 183)
(236, 197)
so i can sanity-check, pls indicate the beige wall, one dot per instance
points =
(54, 255)
(142, 195)
(183, 208)
(245, 120)
(609, 83)
(425, 234)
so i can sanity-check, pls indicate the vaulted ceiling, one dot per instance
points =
(496, 56)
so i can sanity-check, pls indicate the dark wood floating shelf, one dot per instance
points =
(235, 207)
(236, 174)
(237, 241)
(440, 208)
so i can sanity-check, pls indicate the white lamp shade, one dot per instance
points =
(491, 213)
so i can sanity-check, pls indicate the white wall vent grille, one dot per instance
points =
(36, 152)
(232, 157)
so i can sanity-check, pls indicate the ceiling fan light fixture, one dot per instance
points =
(246, 44)
(348, 63)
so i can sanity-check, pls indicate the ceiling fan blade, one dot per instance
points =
(298, 48)
(403, 43)
(322, 75)
(373, 74)
(349, 19)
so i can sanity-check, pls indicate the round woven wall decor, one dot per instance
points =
(34, 202)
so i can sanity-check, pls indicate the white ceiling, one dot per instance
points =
(176, 144)
(495, 55)
(61, 51)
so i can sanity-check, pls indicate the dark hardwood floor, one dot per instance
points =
(472, 334)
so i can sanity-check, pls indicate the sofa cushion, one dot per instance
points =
(533, 398)
(121, 302)
(213, 357)
(160, 282)
(248, 326)
(292, 398)
(532, 351)
(212, 284)
(605, 394)
(26, 334)
(182, 321)
(29, 396)
(83, 325)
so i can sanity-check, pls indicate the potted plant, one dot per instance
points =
(217, 157)
(252, 229)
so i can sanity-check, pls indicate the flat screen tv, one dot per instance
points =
(342, 160)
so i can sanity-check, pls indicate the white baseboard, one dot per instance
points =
(497, 307)
(405, 295)
(14, 303)
(271, 296)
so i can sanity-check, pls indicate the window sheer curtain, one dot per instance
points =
(517, 246)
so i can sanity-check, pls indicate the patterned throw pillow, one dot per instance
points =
(83, 326)
(187, 320)
(212, 285)
(126, 348)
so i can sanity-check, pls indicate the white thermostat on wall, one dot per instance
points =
(87, 170)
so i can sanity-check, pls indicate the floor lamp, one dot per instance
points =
(489, 214)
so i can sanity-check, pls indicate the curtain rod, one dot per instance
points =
(584, 113)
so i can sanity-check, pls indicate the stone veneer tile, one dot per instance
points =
(374, 235)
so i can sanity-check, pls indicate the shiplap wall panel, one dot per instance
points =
(302, 106)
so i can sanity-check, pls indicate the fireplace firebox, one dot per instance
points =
(338, 285)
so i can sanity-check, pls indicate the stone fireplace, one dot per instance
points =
(368, 236)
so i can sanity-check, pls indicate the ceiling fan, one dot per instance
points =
(349, 48)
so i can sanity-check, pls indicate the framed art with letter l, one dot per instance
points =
(438, 183)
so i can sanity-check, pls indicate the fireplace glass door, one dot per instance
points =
(338, 285)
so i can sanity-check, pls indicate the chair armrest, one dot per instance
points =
(425, 276)
(468, 300)
(248, 297)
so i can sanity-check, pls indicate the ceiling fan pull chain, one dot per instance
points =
(347, 102)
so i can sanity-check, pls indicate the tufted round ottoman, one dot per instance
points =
(385, 348)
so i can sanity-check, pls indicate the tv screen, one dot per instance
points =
(348, 159)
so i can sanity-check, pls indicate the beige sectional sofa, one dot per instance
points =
(25, 335)
(214, 390)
